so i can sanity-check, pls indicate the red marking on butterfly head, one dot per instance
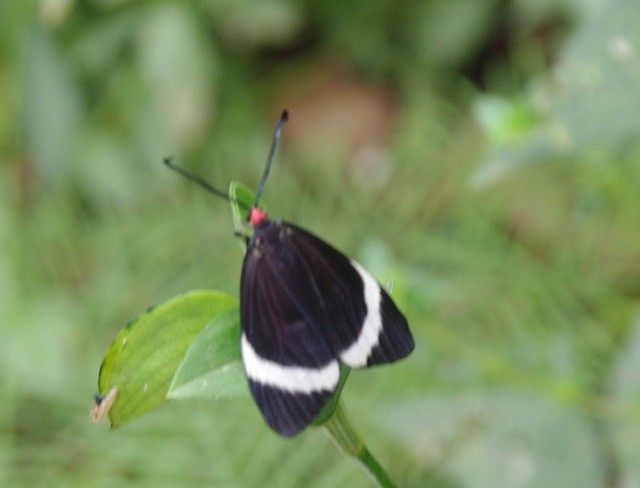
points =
(257, 216)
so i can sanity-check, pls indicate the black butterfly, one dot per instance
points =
(305, 309)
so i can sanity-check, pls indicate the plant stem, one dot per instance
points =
(348, 443)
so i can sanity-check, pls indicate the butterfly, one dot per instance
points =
(305, 310)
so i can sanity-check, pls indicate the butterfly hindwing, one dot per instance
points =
(305, 308)
(285, 412)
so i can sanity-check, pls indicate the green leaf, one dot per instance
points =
(145, 355)
(242, 199)
(212, 368)
(178, 66)
(498, 438)
(591, 102)
(251, 24)
(625, 398)
(53, 109)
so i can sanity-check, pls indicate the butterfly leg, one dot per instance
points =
(246, 236)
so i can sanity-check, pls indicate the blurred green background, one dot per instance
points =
(480, 157)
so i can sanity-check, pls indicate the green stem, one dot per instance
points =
(348, 443)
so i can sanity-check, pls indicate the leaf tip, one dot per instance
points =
(103, 405)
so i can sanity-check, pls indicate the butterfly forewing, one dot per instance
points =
(365, 328)
(305, 308)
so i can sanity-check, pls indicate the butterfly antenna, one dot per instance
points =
(204, 184)
(274, 145)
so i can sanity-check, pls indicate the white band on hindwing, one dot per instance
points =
(294, 379)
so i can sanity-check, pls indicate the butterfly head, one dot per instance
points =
(257, 216)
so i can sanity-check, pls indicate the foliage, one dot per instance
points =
(480, 159)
